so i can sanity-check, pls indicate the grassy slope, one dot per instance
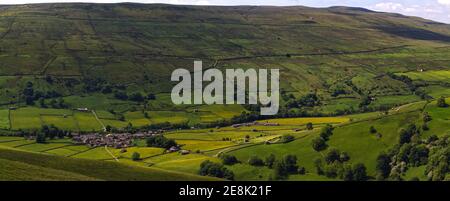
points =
(71, 169)
(127, 43)
(351, 138)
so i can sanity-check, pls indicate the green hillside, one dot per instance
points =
(358, 89)
(19, 165)
(100, 55)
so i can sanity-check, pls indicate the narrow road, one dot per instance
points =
(101, 123)
(107, 150)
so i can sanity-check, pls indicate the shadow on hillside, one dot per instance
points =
(415, 33)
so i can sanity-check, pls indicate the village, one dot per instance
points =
(118, 141)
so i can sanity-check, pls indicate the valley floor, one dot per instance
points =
(351, 135)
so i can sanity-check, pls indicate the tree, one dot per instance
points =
(359, 172)
(366, 100)
(136, 97)
(344, 157)
(309, 126)
(40, 138)
(326, 132)
(405, 136)
(42, 103)
(426, 117)
(319, 144)
(302, 170)
(208, 168)
(279, 171)
(135, 156)
(372, 130)
(255, 161)
(383, 166)
(120, 95)
(287, 138)
(160, 141)
(425, 127)
(347, 173)
(332, 156)
(151, 96)
(229, 159)
(106, 89)
(319, 166)
(270, 160)
(290, 162)
(108, 128)
(121, 117)
(441, 102)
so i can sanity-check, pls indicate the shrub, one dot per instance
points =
(287, 138)
(208, 168)
(40, 138)
(319, 144)
(359, 172)
(270, 160)
(332, 156)
(441, 102)
(255, 161)
(136, 156)
(160, 141)
(229, 159)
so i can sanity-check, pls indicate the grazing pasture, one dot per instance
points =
(64, 168)
(303, 121)
(429, 75)
(4, 119)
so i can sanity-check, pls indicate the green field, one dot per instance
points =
(432, 75)
(303, 121)
(350, 135)
(45, 167)
(116, 60)
(4, 119)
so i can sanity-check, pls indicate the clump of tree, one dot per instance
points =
(287, 138)
(338, 90)
(407, 133)
(287, 165)
(405, 79)
(438, 166)
(319, 143)
(337, 164)
(433, 152)
(308, 100)
(425, 118)
(270, 160)
(28, 93)
(255, 161)
(135, 156)
(365, 101)
(58, 103)
(41, 138)
(208, 168)
(160, 141)
(229, 159)
(326, 132)
(441, 102)
(47, 132)
(137, 97)
(120, 95)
